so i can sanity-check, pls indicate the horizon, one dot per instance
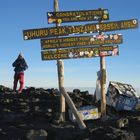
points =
(91, 90)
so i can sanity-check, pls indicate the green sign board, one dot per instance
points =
(65, 42)
(80, 53)
(77, 16)
(80, 29)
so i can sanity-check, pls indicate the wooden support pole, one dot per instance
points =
(60, 68)
(73, 109)
(63, 93)
(103, 83)
(103, 86)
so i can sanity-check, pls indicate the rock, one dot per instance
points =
(111, 133)
(37, 134)
(122, 122)
(76, 91)
(34, 115)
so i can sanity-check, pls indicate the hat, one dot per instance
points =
(20, 54)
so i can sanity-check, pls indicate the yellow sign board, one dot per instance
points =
(80, 29)
(65, 42)
(77, 16)
(80, 53)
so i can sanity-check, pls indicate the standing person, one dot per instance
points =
(20, 66)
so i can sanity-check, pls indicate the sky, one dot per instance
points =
(19, 15)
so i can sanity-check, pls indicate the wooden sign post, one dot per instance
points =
(60, 66)
(103, 84)
(60, 69)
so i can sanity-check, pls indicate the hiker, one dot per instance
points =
(20, 66)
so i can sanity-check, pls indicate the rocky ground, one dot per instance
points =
(34, 115)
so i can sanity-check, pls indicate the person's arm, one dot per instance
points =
(25, 66)
(15, 63)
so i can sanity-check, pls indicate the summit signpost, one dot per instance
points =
(74, 47)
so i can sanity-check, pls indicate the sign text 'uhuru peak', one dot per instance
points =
(80, 29)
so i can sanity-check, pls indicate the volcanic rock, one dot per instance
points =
(34, 115)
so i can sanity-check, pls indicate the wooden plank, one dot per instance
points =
(80, 29)
(66, 42)
(80, 53)
(74, 110)
(77, 16)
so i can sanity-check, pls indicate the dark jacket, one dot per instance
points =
(20, 65)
